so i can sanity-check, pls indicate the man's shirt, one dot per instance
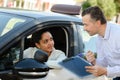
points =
(108, 50)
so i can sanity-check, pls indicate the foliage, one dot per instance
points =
(108, 7)
(85, 5)
(117, 3)
(89, 3)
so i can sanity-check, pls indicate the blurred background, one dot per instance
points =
(111, 8)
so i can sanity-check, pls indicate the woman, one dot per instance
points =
(43, 40)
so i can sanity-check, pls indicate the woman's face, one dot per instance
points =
(46, 43)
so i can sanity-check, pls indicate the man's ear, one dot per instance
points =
(98, 22)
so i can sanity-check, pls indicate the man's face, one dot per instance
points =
(90, 25)
(46, 43)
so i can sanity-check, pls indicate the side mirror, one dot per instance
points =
(30, 68)
(41, 56)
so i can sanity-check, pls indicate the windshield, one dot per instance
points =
(8, 22)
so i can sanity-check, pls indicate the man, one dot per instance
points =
(108, 44)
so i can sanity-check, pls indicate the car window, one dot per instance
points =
(10, 57)
(8, 22)
(89, 41)
(59, 35)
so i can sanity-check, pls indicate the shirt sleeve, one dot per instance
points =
(113, 71)
(29, 53)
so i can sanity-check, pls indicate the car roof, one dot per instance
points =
(45, 16)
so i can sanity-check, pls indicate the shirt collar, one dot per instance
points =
(107, 32)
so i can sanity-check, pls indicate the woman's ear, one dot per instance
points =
(37, 45)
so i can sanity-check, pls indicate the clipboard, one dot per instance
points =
(76, 65)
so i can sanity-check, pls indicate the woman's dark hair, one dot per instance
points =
(36, 37)
(95, 13)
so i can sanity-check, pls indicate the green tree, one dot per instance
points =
(89, 3)
(85, 5)
(117, 2)
(108, 7)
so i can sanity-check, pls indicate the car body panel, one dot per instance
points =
(51, 16)
(64, 28)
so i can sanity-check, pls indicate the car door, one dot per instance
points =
(63, 33)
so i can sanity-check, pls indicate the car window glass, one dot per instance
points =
(8, 22)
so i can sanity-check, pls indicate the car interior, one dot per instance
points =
(59, 36)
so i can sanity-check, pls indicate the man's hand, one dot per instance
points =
(96, 70)
(90, 57)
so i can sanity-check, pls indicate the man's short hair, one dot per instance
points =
(95, 13)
